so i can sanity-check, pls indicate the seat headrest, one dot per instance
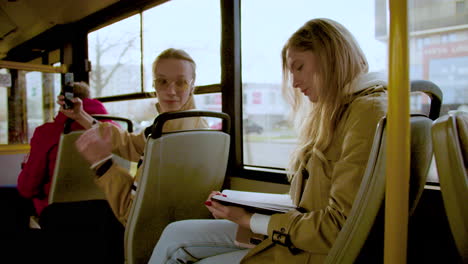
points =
(461, 120)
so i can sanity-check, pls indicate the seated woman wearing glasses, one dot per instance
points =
(174, 78)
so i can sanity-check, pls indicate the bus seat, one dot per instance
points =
(434, 93)
(122, 122)
(450, 140)
(180, 169)
(73, 180)
(361, 238)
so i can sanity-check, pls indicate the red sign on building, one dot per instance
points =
(257, 98)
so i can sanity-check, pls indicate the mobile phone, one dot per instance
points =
(67, 91)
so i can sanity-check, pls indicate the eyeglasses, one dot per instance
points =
(180, 85)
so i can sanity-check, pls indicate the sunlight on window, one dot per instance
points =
(57, 88)
(175, 25)
(115, 55)
(266, 126)
(141, 116)
(438, 52)
(115, 50)
(144, 115)
(3, 115)
(210, 102)
(34, 101)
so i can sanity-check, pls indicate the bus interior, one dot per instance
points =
(111, 45)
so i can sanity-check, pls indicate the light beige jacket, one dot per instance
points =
(329, 190)
(117, 183)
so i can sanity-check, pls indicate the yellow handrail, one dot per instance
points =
(14, 149)
(398, 144)
(33, 67)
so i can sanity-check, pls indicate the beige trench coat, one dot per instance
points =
(328, 193)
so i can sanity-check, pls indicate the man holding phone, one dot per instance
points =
(35, 177)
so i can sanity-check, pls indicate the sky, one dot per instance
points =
(266, 30)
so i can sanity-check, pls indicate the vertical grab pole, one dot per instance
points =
(398, 144)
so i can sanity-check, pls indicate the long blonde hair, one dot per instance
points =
(340, 61)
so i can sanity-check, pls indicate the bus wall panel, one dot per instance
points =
(242, 184)
(10, 168)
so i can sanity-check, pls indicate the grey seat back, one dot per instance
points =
(73, 179)
(179, 170)
(450, 140)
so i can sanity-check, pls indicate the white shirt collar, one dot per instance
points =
(367, 80)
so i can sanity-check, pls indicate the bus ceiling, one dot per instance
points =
(22, 20)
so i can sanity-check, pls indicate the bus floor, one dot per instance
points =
(430, 238)
(81, 232)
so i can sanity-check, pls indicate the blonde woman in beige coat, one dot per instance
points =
(174, 78)
(337, 105)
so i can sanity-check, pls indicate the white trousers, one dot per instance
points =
(200, 241)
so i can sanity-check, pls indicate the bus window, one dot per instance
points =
(142, 116)
(117, 55)
(57, 86)
(3, 112)
(210, 102)
(114, 52)
(439, 49)
(439, 53)
(268, 137)
(175, 25)
(41, 93)
(420, 103)
(34, 101)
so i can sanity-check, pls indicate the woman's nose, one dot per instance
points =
(296, 82)
(171, 88)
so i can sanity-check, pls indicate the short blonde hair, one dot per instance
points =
(81, 90)
(340, 61)
(179, 54)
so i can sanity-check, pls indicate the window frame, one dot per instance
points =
(74, 48)
(232, 96)
(230, 87)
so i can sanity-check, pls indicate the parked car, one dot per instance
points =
(249, 127)
(282, 124)
(252, 127)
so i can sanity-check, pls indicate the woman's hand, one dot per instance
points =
(93, 146)
(235, 214)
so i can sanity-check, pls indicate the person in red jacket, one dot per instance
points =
(31, 194)
(30, 198)
(35, 178)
